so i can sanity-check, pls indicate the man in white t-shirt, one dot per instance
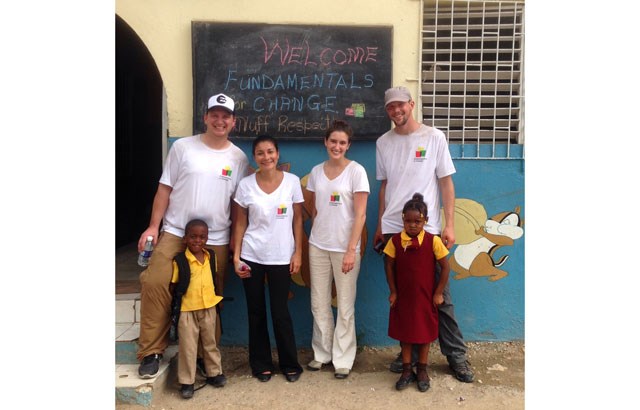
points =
(413, 157)
(198, 181)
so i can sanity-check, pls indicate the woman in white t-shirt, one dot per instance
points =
(268, 237)
(339, 188)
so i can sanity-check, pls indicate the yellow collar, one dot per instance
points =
(405, 237)
(192, 258)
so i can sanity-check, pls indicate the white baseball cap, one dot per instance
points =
(222, 101)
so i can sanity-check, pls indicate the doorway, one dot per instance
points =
(139, 139)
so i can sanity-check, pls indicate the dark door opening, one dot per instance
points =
(138, 135)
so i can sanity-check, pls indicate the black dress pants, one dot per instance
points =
(278, 281)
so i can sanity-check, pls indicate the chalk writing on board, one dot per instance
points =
(293, 81)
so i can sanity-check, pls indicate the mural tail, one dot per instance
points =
(501, 261)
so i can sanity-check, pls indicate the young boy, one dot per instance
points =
(197, 312)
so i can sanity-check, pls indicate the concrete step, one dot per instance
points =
(130, 388)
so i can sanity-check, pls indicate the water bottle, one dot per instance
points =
(145, 255)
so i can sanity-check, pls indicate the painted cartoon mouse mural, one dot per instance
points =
(477, 243)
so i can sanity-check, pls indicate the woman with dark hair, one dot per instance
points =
(268, 244)
(339, 188)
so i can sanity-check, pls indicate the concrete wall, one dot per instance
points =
(489, 305)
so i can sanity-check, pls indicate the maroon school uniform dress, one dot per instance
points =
(414, 319)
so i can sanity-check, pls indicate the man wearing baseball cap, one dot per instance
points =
(198, 180)
(413, 157)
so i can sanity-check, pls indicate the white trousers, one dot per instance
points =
(331, 343)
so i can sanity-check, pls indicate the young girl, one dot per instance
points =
(414, 295)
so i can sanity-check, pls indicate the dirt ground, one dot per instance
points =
(498, 384)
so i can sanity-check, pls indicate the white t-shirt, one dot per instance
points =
(333, 222)
(203, 181)
(412, 163)
(269, 236)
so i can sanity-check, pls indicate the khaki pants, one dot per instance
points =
(155, 297)
(197, 328)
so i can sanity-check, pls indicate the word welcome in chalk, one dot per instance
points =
(323, 56)
(332, 81)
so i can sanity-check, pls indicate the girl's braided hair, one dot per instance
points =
(415, 203)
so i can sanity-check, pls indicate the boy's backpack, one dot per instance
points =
(184, 276)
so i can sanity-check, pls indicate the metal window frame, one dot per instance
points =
(482, 113)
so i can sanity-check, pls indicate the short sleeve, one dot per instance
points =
(240, 196)
(390, 249)
(175, 275)
(439, 250)
(311, 181)
(172, 165)
(444, 164)
(297, 196)
(360, 181)
(381, 172)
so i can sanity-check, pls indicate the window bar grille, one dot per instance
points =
(495, 82)
(520, 112)
(480, 80)
(514, 33)
(450, 70)
(434, 67)
(483, 104)
(464, 86)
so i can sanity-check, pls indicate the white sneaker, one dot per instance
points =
(314, 365)
(342, 373)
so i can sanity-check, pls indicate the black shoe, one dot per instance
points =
(149, 366)
(423, 385)
(217, 381)
(405, 380)
(396, 365)
(263, 377)
(293, 377)
(200, 366)
(186, 391)
(423, 377)
(462, 371)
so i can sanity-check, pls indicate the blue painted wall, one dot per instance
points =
(486, 311)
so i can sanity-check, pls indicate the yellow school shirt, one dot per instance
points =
(439, 250)
(201, 292)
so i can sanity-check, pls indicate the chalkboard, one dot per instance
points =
(292, 81)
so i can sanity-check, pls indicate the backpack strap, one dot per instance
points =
(212, 262)
(184, 276)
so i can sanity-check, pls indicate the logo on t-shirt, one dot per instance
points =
(226, 172)
(421, 154)
(281, 212)
(334, 200)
